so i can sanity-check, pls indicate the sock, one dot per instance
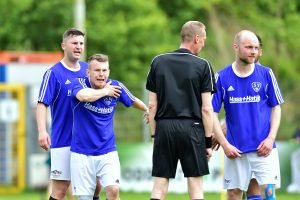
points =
(270, 192)
(51, 198)
(96, 198)
(254, 197)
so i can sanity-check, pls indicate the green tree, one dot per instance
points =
(34, 25)
(131, 32)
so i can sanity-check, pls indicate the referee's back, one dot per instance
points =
(178, 78)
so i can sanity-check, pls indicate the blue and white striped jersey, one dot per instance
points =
(247, 103)
(93, 128)
(55, 91)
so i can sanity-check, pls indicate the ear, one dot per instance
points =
(235, 46)
(261, 52)
(197, 39)
(63, 45)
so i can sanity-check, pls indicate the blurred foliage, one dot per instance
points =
(132, 32)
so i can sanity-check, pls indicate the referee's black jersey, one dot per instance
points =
(178, 78)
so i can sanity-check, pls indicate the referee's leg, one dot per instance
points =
(160, 188)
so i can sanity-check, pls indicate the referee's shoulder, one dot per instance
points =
(162, 55)
(200, 60)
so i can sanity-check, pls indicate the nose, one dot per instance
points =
(78, 46)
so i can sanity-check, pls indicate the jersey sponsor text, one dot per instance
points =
(89, 106)
(247, 99)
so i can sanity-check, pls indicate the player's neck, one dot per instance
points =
(242, 69)
(71, 64)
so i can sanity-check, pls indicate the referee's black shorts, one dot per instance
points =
(179, 139)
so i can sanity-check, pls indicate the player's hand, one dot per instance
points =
(231, 151)
(208, 153)
(265, 147)
(112, 90)
(146, 116)
(44, 140)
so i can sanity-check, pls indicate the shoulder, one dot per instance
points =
(114, 82)
(83, 64)
(54, 71)
(225, 70)
(223, 73)
(264, 70)
(56, 67)
(262, 67)
(161, 57)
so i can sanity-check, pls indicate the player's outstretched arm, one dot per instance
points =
(142, 106)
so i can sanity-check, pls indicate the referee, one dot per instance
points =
(180, 85)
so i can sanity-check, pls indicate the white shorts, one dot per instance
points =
(238, 172)
(60, 163)
(85, 170)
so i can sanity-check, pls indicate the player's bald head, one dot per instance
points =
(245, 35)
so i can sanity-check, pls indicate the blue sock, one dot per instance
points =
(96, 198)
(271, 196)
(254, 197)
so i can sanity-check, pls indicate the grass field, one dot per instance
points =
(41, 195)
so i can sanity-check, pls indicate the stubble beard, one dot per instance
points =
(247, 61)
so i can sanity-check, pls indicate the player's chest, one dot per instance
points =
(247, 89)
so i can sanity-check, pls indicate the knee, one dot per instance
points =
(234, 194)
(59, 189)
(112, 192)
(59, 193)
(158, 193)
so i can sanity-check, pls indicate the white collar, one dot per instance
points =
(69, 68)
(242, 75)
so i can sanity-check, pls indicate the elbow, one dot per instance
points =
(83, 98)
(207, 110)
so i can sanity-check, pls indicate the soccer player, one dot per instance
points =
(93, 148)
(252, 99)
(253, 189)
(55, 91)
(180, 113)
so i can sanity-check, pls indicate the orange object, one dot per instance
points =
(29, 57)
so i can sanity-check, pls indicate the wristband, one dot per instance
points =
(208, 142)
(152, 136)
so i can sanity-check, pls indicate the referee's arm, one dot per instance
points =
(207, 113)
(152, 111)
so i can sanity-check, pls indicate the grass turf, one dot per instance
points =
(41, 195)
